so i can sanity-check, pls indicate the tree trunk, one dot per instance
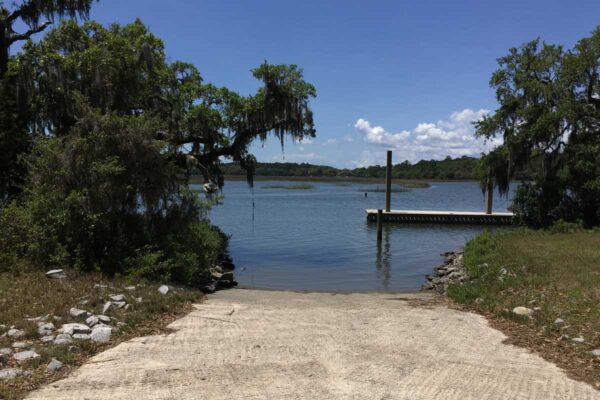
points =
(4, 37)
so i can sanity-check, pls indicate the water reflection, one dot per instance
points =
(383, 259)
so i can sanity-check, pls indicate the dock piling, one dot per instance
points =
(379, 225)
(388, 182)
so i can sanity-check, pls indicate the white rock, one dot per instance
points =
(84, 302)
(20, 345)
(164, 289)
(15, 333)
(72, 329)
(104, 318)
(130, 288)
(99, 286)
(81, 336)
(77, 313)
(45, 328)
(596, 352)
(559, 321)
(47, 339)
(578, 339)
(107, 306)
(91, 321)
(524, 311)
(119, 304)
(139, 300)
(537, 308)
(101, 334)
(54, 365)
(25, 356)
(117, 297)
(5, 351)
(10, 373)
(63, 339)
(56, 274)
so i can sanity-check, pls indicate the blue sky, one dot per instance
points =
(404, 75)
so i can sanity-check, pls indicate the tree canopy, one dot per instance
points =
(549, 114)
(31, 13)
(111, 131)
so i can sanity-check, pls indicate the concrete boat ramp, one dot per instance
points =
(253, 344)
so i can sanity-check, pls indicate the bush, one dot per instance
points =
(106, 193)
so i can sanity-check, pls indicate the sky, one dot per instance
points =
(410, 76)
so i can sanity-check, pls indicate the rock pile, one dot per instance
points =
(97, 328)
(221, 275)
(451, 271)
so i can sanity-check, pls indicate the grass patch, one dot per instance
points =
(31, 294)
(382, 190)
(416, 185)
(557, 272)
(290, 187)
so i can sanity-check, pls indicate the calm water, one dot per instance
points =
(319, 239)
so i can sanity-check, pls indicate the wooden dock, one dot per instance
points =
(442, 217)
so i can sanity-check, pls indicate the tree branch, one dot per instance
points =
(29, 33)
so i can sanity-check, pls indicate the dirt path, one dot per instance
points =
(250, 344)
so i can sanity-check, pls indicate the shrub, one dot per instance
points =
(105, 193)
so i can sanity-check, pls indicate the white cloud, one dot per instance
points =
(330, 141)
(452, 137)
(305, 141)
(348, 139)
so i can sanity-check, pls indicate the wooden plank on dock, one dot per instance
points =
(442, 217)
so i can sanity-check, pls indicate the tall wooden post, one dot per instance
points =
(388, 182)
(489, 197)
(379, 225)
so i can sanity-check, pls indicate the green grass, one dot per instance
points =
(558, 272)
(31, 294)
(289, 187)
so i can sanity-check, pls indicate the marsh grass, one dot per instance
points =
(290, 187)
(416, 185)
(30, 294)
(559, 273)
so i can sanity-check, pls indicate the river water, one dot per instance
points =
(319, 239)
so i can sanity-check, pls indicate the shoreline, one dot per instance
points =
(195, 179)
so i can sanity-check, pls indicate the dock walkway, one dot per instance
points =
(445, 217)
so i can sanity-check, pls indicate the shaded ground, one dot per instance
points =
(251, 344)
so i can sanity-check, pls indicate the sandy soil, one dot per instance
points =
(251, 344)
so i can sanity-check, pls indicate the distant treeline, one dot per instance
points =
(463, 168)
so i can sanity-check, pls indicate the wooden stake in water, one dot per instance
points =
(388, 182)
(379, 225)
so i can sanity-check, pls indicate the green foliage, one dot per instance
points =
(549, 117)
(562, 226)
(185, 257)
(29, 13)
(109, 131)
